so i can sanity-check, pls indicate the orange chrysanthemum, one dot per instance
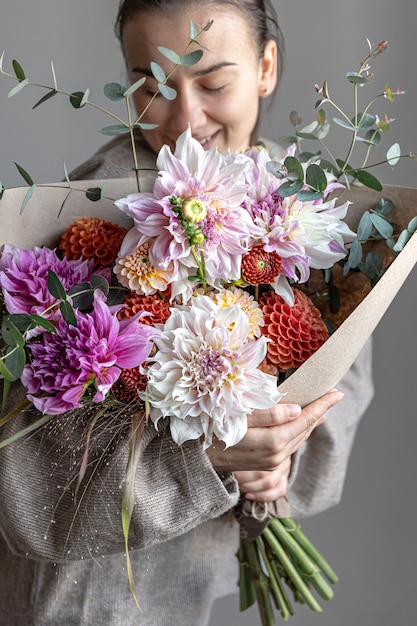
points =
(260, 267)
(133, 303)
(129, 384)
(92, 238)
(296, 332)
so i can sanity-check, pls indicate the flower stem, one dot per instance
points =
(291, 569)
(261, 583)
(310, 549)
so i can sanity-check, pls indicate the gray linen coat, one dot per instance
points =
(62, 561)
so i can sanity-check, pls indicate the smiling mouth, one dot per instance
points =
(205, 140)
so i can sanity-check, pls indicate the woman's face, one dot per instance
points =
(219, 96)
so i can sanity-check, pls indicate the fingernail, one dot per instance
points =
(250, 496)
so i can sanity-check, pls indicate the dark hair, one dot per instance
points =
(261, 16)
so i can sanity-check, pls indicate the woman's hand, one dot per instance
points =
(264, 486)
(273, 436)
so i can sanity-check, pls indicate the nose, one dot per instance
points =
(186, 110)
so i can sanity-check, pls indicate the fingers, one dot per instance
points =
(265, 486)
(275, 416)
(284, 428)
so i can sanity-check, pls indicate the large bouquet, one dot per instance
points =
(196, 307)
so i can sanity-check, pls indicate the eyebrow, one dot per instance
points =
(209, 70)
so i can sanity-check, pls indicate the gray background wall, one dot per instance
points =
(370, 537)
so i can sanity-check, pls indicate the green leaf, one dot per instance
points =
(99, 282)
(145, 126)
(346, 168)
(17, 88)
(290, 189)
(343, 123)
(68, 313)
(412, 225)
(158, 72)
(44, 98)
(295, 118)
(54, 77)
(194, 30)
(384, 228)
(170, 54)
(55, 287)
(81, 296)
(368, 180)
(354, 77)
(115, 129)
(294, 167)
(323, 131)
(384, 206)
(373, 265)
(365, 227)
(394, 154)
(321, 117)
(276, 169)
(130, 90)
(78, 98)
(308, 195)
(287, 140)
(404, 237)
(316, 178)
(191, 58)
(11, 334)
(114, 91)
(26, 177)
(115, 296)
(18, 70)
(94, 194)
(363, 121)
(334, 299)
(372, 138)
(27, 197)
(65, 200)
(302, 135)
(15, 360)
(355, 254)
(38, 320)
(167, 92)
(5, 372)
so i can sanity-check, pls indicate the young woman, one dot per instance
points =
(57, 567)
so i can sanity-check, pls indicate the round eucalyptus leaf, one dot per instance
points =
(114, 91)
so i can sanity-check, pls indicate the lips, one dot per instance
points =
(205, 140)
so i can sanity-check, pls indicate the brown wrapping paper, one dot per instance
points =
(41, 224)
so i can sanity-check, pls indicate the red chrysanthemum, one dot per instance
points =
(133, 303)
(129, 384)
(92, 238)
(296, 331)
(260, 267)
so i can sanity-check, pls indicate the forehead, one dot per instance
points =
(229, 34)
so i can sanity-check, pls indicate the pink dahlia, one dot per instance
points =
(195, 204)
(88, 356)
(24, 279)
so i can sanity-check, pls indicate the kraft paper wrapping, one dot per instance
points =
(40, 225)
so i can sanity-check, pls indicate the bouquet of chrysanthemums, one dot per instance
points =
(197, 308)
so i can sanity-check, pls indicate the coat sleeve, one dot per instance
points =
(319, 467)
(44, 516)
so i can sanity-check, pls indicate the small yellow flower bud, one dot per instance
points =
(196, 239)
(193, 210)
